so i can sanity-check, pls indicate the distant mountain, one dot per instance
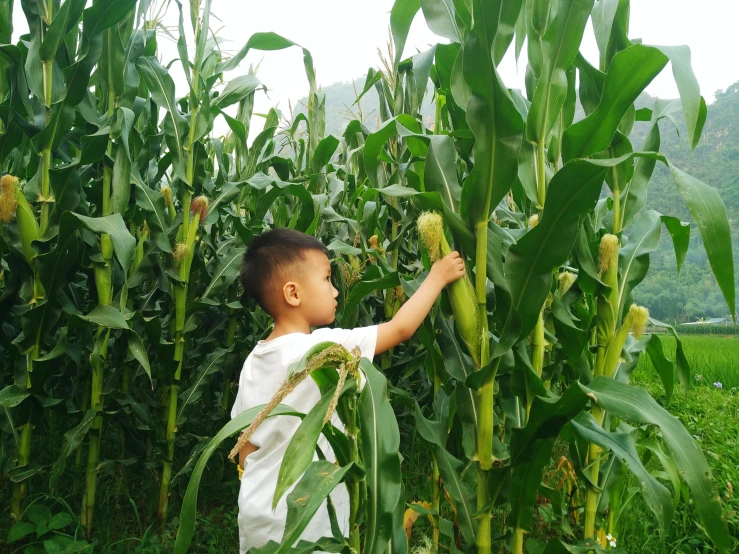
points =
(715, 161)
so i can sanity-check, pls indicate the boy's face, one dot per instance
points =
(317, 293)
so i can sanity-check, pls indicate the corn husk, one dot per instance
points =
(461, 293)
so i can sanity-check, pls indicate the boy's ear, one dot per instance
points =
(290, 293)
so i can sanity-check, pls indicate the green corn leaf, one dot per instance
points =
(236, 90)
(628, 75)
(709, 212)
(229, 191)
(303, 502)
(635, 197)
(509, 12)
(323, 153)
(138, 350)
(72, 440)
(640, 240)
(190, 500)
(693, 104)
(380, 439)
(302, 447)
(460, 492)
(570, 336)
(440, 174)
(668, 465)
(258, 41)
(492, 118)
(681, 361)
(363, 288)
(227, 269)
(664, 366)
(213, 362)
(102, 15)
(68, 16)
(152, 204)
(440, 16)
(162, 89)
(560, 45)
(623, 447)
(680, 233)
(572, 193)
(12, 395)
(531, 448)
(105, 316)
(401, 16)
(636, 405)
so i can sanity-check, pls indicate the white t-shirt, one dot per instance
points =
(264, 371)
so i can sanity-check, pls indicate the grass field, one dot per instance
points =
(713, 359)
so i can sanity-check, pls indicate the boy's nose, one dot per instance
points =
(335, 292)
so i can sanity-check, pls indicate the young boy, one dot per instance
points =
(288, 273)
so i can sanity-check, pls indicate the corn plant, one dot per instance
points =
(539, 175)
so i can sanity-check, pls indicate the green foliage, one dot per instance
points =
(123, 330)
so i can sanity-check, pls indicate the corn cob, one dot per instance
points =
(461, 292)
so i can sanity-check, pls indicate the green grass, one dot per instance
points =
(712, 358)
(711, 415)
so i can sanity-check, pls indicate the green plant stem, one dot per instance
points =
(616, 208)
(593, 492)
(93, 453)
(103, 282)
(538, 344)
(541, 174)
(437, 479)
(20, 490)
(187, 233)
(180, 293)
(354, 484)
(486, 395)
(517, 546)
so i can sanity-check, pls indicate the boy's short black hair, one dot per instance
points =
(269, 253)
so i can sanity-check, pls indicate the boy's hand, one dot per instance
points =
(401, 327)
(448, 269)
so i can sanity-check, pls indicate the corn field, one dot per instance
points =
(125, 216)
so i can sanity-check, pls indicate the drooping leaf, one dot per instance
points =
(380, 439)
(636, 405)
(622, 446)
(628, 75)
(189, 502)
(72, 439)
(303, 502)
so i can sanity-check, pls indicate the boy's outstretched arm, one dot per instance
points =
(410, 316)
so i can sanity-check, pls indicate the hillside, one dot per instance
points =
(692, 294)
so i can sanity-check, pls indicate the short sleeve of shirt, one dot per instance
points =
(363, 337)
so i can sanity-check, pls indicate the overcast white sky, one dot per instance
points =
(344, 35)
